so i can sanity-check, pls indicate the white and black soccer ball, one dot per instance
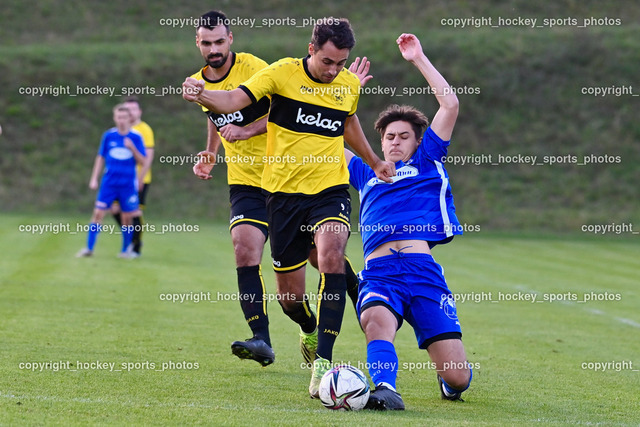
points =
(345, 388)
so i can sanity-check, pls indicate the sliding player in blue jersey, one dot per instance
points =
(120, 151)
(400, 222)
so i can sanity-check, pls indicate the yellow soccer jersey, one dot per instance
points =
(305, 143)
(243, 158)
(147, 138)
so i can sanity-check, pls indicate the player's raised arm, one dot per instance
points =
(218, 101)
(445, 119)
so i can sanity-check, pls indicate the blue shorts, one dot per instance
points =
(126, 195)
(412, 286)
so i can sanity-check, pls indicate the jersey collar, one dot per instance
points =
(233, 62)
(306, 70)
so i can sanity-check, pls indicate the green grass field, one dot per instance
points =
(535, 360)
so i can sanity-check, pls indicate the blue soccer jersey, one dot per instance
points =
(120, 165)
(418, 205)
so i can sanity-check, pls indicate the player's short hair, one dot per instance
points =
(121, 107)
(336, 30)
(133, 99)
(213, 19)
(406, 113)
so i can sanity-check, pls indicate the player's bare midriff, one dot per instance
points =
(406, 246)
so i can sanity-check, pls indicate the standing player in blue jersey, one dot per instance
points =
(400, 222)
(120, 151)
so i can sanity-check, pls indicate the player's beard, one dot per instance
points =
(215, 61)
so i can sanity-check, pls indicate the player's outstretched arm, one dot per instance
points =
(218, 101)
(354, 136)
(445, 119)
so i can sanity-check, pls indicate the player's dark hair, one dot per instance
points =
(213, 19)
(338, 31)
(405, 113)
(132, 99)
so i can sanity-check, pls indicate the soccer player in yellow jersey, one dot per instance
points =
(144, 170)
(243, 135)
(313, 105)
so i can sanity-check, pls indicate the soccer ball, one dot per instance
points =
(344, 387)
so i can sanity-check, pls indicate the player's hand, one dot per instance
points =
(361, 69)
(206, 162)
(233, 133)
(93, 184)
(385, 170)
(191, 89)
(140, 183)
(409, 46)
(128, 143)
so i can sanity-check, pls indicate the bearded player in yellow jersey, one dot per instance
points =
(243, 134)
(312, 113)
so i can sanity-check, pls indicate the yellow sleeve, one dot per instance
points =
(268, 80)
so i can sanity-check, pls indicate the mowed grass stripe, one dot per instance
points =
(107, 309)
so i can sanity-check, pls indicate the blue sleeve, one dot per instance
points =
(137, 141)
(433, 147)
(102, 151)
(357, 173)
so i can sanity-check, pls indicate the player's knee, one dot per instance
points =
(247, 255)
(331, 262)
(458, 379)
(247, 250)
(376, 326)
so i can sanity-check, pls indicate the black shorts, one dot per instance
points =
(248, 206)
(293, 219)
(142, 195)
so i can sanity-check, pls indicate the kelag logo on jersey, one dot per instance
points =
(224, 119)
(318, 121)
(302, 117)
(243, 117)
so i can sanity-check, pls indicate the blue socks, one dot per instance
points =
(382, 362)
(94, 229)
(127, 236)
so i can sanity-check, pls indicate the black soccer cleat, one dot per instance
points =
(254, 349)
(385, 399)
(444, 395)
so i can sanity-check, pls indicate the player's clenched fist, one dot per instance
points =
(206, 162)
(191, 88)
